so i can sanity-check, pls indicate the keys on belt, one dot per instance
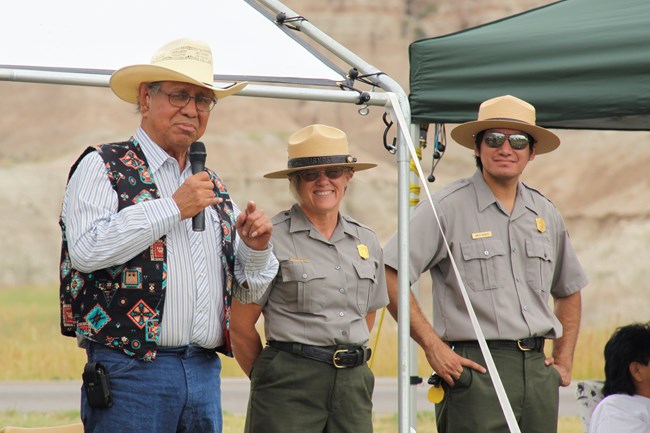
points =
(338, 356)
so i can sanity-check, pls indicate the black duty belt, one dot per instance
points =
(185, 350)
(338, 356)
(525, 344)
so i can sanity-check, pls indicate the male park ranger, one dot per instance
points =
(513, 253)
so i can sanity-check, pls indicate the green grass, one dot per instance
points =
(34, 349)
(235, 424)
(15, 418)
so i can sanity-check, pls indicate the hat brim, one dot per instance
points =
(282, 174)
(545, 140)
(125, 81)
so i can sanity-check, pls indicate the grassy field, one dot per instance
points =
(33, 349)
(235, 424)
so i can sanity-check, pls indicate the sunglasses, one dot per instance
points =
(330, 173)
(517, 141)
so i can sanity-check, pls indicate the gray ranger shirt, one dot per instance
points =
(324, 288)
(510, 264)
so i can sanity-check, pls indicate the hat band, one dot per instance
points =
(320, 160)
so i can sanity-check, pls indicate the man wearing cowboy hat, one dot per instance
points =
(513, 253)
(145, 294)
(313, 374)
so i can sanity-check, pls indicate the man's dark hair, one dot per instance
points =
(478, 139)
(627, 344)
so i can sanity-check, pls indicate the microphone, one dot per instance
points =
(197, 160)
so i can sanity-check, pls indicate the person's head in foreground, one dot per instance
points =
(505, 136)
(627, 361)
(174, 93)
(319, 168)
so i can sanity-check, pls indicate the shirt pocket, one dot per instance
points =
(484, 264)
(366, 281)
(539, 264)
(300, 283)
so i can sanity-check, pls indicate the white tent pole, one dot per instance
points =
(403, 313)
(51, 77)
(309, 94)
(389, 85)
(253, 90)
(414, 377)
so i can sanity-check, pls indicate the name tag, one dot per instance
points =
(297, 259)
(482, 235)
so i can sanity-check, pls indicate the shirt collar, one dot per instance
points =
(486, 197)
(525, 195)
(300, 222)
(155, 155)
(484, 194)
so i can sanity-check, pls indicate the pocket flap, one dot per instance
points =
(295, 270)
(482, 250)
(539, 248)
(366, 269)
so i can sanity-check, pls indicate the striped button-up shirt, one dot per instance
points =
(100, 237)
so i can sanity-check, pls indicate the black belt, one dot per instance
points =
(338, 356)
(525, 344)
(185, 350)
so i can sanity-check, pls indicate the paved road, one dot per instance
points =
(64, 395)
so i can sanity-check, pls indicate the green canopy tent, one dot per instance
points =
(584, 64)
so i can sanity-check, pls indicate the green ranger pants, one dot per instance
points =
(292, 394)
(471, 405)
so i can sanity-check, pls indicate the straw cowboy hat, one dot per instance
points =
(506, 112)
(184, 60)
(318, 146)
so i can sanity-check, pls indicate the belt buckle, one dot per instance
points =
(523, 348)
(335, 358)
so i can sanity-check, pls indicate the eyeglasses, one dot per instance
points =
(181, 99)
(330, 173)
(517, 141)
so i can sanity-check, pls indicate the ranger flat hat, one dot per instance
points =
(506, 112)
(318, 146)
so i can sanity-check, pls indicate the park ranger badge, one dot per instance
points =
(363, 251)
(541, 225)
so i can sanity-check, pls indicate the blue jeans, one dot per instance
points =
(176, 393)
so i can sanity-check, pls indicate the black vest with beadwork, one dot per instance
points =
(122, 306)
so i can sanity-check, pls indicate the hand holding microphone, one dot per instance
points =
(197, 192)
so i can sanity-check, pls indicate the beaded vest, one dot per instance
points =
(122, 306)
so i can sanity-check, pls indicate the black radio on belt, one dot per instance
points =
(97, 386)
